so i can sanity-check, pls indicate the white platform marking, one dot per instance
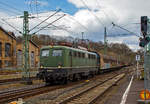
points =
(124, 97)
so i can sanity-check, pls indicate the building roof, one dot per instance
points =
(20, 41)
(11, 34)
(34, 43)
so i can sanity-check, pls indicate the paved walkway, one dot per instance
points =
(133, 94)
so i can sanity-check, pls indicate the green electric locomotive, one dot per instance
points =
(59, 64)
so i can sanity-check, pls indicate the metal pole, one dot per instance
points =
(82, 37)
(26, 63)
(145, 82)
(137, 70)
(105, 41)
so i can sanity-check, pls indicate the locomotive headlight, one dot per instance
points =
(59, 66)
(41, 66)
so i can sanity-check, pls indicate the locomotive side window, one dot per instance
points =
(89, 56)
(92, 56)
(45, 53)
(83, 55)
(79, 54)
(75, 54)
(57, 53)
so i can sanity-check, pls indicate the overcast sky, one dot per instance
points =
(88, 16)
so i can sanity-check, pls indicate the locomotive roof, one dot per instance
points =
(65, 47)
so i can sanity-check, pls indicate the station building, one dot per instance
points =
(7, 49)
(11, 51)
(33, 54)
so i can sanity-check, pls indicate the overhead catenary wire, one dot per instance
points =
(49, 24)
(2, 23)
(107, 16)
(58, 27)
(10, 11)
(30, 6)
(125, 29)
(89, 32)
(12, 26)
(36, 6)
(72, 18)
(78, 22)
(9, 6)
(44, 12)
(92, 13)
(8, 18)
(45, 20)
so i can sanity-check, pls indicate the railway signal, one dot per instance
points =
(145, 31)
(144, 26)
(145, 42)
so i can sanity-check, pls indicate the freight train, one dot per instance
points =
(60, 64)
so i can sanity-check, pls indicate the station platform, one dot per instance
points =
(127, 91)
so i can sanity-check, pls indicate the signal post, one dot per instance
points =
(145, 43)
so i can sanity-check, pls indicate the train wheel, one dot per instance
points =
(76, 77)
(64, 80)
(47, 83)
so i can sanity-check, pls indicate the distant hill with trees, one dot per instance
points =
(118, 50)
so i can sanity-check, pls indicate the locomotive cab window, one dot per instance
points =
(45, 53)
(57, 53)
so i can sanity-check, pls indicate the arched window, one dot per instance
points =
(7, 49)
(32, 59)
(19, 58)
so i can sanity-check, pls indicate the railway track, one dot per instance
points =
(11, 95)
(26, 92)
(83, 94)
(89, 95)
(7, 96)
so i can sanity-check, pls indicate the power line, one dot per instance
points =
(2, 23)
(36, 6)
(7, 18)
(10, 11)
(104, 11)
(10, 7)
(118, 35)
(92, 13)
(71, 17)
(59, 27)
(78, 22)
(125, 29)
(45, 19)
(49, 24)
(45, 12)
(30, 6)
(12, 26)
